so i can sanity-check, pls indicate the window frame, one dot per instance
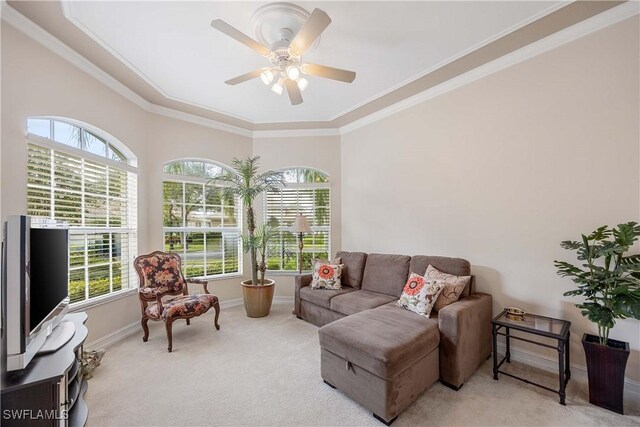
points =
(131, 230)
(202, 180)
(304, 186)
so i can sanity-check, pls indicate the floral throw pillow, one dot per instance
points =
(326, 261)
(326, 276)
(453, 286)
(419, 294)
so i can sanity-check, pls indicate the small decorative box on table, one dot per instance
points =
(542, 326)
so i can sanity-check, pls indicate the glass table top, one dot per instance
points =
(534, 323)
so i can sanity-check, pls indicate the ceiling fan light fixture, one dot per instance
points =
(286, 67)
(267, 77)
(293, 72)
(302, 83)
(278, 86)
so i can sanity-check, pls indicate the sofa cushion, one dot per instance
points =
(385, 341)
(322, 297)
(386, 274)
(358, 301)
(455, 266)
(353, 268)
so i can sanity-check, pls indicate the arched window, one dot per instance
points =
(199, 224)
(86, 178)
(307, 192)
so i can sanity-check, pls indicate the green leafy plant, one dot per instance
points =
(246, 183)
(608, 280)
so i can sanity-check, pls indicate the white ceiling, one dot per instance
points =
(172, 46)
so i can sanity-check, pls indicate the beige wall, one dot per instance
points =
(497, 172)
(320, 152)
(503, 169)
(37, 82)
(175, 139)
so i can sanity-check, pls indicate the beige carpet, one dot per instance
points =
(267, 372)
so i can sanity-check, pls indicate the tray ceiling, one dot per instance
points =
(173, 48)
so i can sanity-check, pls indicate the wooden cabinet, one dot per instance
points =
(50, 391)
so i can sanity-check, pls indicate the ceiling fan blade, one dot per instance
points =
(294, 91)
(310, 31)
(328, 72)
(232, 32)
(245, 77)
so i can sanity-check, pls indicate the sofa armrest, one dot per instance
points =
(465, 337)
(301, 280)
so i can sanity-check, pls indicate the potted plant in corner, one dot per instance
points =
(609, 281)
(246, 183)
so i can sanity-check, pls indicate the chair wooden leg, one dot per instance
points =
(168, 326)
(145, 328)
(188, 321)
(216, 307)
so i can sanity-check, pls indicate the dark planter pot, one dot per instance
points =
(606, 365)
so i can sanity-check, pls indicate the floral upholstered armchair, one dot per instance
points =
(161, 275)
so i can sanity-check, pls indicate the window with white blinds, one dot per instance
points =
(307, 192)
(201, 226)
(76, 176)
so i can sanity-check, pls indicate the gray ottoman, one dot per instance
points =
(382, 358)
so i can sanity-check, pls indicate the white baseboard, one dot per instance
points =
(238, 301)
(115, 336)
(134, 327)
(578, 372)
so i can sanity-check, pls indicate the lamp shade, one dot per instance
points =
(301, 225)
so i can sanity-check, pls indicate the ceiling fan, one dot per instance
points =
(285, 56)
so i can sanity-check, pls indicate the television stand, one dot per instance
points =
(49, 392)
(60, 335)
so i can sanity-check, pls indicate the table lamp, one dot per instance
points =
(300, 227)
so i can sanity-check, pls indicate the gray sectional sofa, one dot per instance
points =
(381, 355)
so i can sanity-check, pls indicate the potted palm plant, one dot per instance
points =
(247, 183)
(609, 281)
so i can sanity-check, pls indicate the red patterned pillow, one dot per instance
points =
(419, 294)
(326, 276)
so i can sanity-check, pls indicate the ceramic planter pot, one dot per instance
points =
(258, 298)
(606, 365)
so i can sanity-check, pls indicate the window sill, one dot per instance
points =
(104, 299)
(285, 273)
(216, 278)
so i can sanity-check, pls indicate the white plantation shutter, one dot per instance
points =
(311, 199)
(97, 197)
(200, 226)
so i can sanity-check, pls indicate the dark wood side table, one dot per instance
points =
(548, 327)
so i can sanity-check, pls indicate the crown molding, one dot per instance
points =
(295, 133)
(68, 12)
(198, 120)
(584, 28)
(38, 34)
(41, 36)
(454, 58)
(590, 25)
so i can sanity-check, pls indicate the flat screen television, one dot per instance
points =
(35, 283)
